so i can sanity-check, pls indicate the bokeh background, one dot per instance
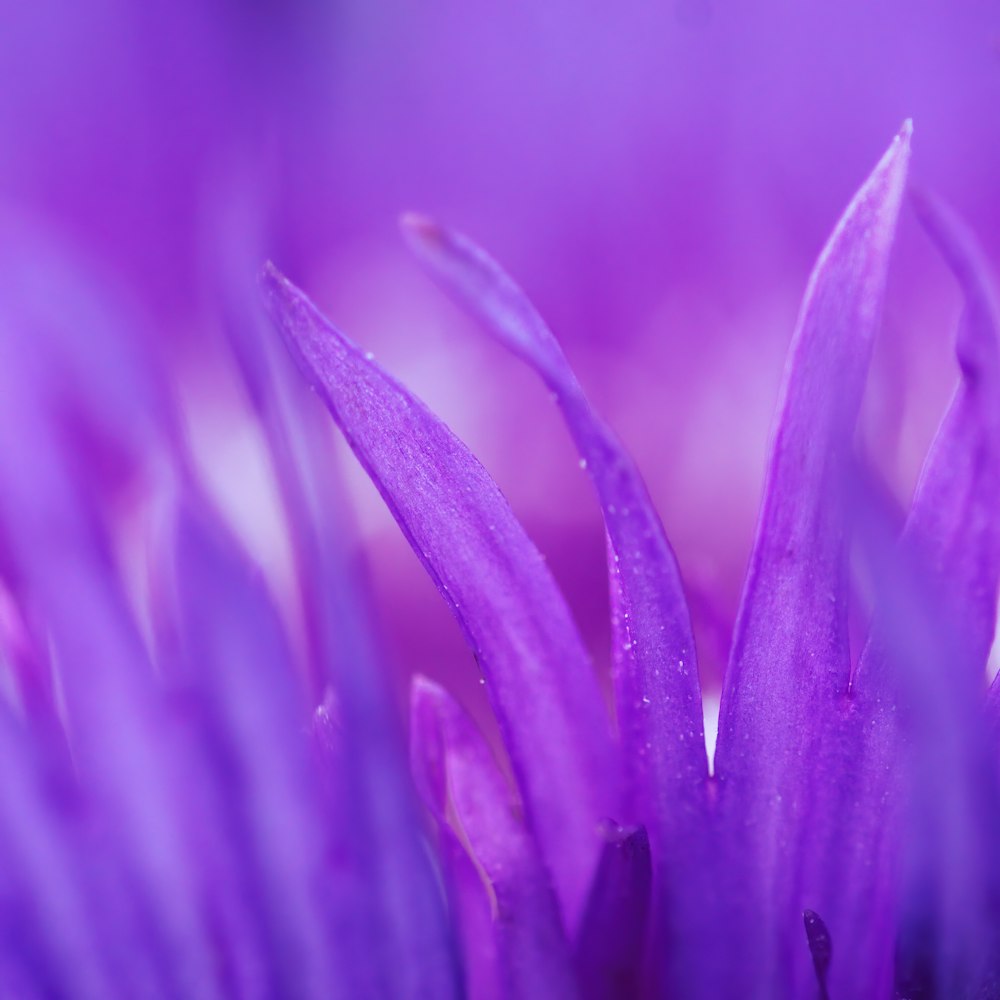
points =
(658, 174)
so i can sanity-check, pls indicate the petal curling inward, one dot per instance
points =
(539, 677)
(658, 697)
(532, 954)
(780, 756)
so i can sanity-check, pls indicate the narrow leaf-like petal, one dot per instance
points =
(532, 953)
(790, 664)
(241, 670)
(931, 637)
(657, 691)
(540, 680)
(943, 787)
(611, 942)
(954, 513)
(384, 872)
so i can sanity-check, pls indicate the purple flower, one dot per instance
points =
(855, 793)
(204, 785)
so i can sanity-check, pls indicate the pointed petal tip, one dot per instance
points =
(424, 691)
(273, 283)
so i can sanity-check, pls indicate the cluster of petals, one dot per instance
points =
(205, 790)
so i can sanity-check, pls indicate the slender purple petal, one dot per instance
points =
(954, 513)
(49, 929)
(930, 641)
(540, 680)
(57, 556)
(944, 786)
(471, 901)
(611, 942)
(780, 759)
(385, 874)
(656, 677)
(532, 952)
(241, 668)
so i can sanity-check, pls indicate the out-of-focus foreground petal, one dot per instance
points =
(540, 680)
(57, 559)
(533, 958)
(385, 875)
(790, 664)
(930, 638)
(610, 945)
(234, 657)
(954, 512)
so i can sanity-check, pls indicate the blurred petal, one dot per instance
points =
(532, 953)
(540, 680)
(239, 664)
(954, 513)
(943, 791)
(930, 640)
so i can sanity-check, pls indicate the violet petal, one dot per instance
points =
(778, 764)
(532, 953)
(656, 677)
(539, 677)
(611, 941)
(930, 640)
(953, 515)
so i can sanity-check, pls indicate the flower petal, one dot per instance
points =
(238, 662)
(953, 516)
(532, 953)
(611, 942)
(790, 664)
(656, 678)
(540, 680)
(931, 638)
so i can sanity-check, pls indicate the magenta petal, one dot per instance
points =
(532, 954)
(540, 680)
(656, 677)
(611, 942)
(781, 759)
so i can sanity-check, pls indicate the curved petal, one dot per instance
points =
(788, 735)
(540, 680)
(658, 698)
(532, 954)
(611, 943)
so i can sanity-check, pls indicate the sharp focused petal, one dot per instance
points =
(539, 677)
(657, 692)
(954, 513)
(532, 953)
(779, 746)
(930, 640)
